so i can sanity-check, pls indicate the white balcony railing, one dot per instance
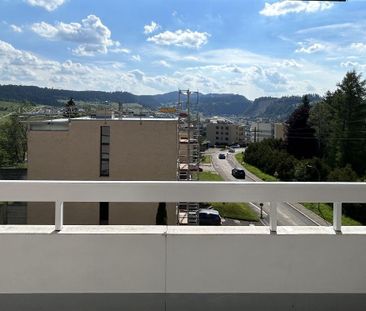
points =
(170, 191)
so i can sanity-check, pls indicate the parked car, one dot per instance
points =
(222, 156)
(231, 150)
(209, 217)
(238, 173)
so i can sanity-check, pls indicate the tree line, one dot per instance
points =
(325, 141)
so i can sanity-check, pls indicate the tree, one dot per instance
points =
(161, 215)
(300, 136)
(13, 141)
(71, 111)
(341, 119)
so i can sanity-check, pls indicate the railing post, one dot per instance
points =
(59, 215)
(337, 216)
(273, 217)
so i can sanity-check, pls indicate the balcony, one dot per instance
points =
(181, 267)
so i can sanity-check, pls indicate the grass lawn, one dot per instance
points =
(206, 159)
(239, 211)
(210, 176)
(326, 212)
(254, 170)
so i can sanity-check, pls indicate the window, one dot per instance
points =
(103, 213)
(217, 133)
(104, 150)
(217, 127)
(226, 138)
(217, 138)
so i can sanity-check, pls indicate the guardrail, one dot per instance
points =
(172, 191)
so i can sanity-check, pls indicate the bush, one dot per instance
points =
(343, 174)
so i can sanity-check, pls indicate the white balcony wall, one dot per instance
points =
(144, 259)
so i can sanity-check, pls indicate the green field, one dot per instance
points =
(206, 158)
(254, 170)
(326, 212)
(240, 211)
(210, 176)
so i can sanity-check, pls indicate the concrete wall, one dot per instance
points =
(139, 150)
(152, 268)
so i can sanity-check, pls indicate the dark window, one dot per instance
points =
(217, 127)
(103, 213)
(226, 138)
(104, 150)
(217, 133)
(217, 138)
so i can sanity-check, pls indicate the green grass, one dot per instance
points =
(326, 212)
(239, 211)
(210, 176)
(206, 159)
(254, 170)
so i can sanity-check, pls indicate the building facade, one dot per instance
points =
(131, 149)
(224, 132)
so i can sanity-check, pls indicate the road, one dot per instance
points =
(287, 214)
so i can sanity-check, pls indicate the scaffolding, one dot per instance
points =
(188, 163)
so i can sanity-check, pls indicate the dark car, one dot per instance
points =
(209, 217)
(238, 173)
(222, 156)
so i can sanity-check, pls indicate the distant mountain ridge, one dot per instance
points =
(209, 104)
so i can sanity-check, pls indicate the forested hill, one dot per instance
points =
(209, 104)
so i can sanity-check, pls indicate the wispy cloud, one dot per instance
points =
(312, 48)
(16, 28)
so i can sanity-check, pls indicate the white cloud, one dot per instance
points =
(16, 28)
(184, 38)
(119, 50)
(151, 28)
(162, 63)
(358, 47)
(313, 48)
(49, 5)
(92, 36)
(285, 7)
(136, 58)
(254, 76)
(26, 68)
(349, 64)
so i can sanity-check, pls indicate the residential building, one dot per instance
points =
(106, 149)
(279, 131)
(260, 131)
(224, 132)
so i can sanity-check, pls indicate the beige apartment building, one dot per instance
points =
(129, 149)
(224, 132)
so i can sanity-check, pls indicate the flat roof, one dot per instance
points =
(62, 120)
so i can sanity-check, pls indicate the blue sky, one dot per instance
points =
(252, 47)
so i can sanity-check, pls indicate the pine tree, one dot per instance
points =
(300, 136)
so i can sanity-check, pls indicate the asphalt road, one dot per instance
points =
(287, 214)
